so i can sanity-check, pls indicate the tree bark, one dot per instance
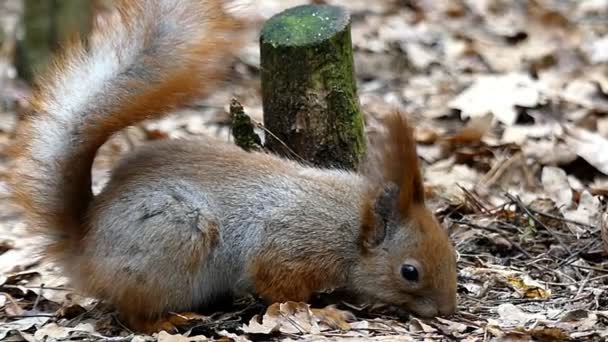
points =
(47, 25)
(309, 87)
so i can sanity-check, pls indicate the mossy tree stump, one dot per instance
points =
(309, 87)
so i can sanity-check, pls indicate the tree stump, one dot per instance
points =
(309, 87)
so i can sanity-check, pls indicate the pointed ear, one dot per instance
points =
(392, 158)
(378, 211)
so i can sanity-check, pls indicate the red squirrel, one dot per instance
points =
(182, 223)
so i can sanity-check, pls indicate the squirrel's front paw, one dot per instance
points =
(170, 323)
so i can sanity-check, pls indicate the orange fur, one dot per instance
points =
(400, 164)
(393, 160)
(211, 237)
(279, 278)
(368, 223)
(433, 248)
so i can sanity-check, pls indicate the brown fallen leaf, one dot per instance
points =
(418, 325)
(549, 334)
(451, 327)
(425, 136)
(11, 306)
(528, 287)
(298, 318)
(287, 318)
(473, 132)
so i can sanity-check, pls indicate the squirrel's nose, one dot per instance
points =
(448, 308)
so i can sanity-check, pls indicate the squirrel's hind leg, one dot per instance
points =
(148, 253)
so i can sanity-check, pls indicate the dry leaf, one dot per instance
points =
(498, 95)
(587, 212)
(528, 287)
(585, 93)
(376, 326)
(233, 337)
(512, 316)
(54, 331)
(298, 318)
(21, 325)
(519, 134)
(417, 325)
(473, 132)
(555, 183)
(451, 327)
(597, 50)
(590, 146)
(164, 336)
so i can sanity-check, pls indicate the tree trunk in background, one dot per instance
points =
(47, 25)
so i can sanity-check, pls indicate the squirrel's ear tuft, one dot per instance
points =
(392, 158)
(378, 211)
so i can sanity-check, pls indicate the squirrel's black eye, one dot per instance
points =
(409, 272)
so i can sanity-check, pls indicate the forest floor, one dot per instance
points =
(510, 104)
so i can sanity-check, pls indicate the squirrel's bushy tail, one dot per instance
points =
(138, 63)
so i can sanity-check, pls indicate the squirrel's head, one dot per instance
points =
(406, 257)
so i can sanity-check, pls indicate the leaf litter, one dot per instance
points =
(510, 101)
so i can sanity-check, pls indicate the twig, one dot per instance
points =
(573, 256)
(37, 301)
(520, 205)
(296, 325)
(490, 178)
(496, 230)
(36, 287)
(583, 285)
(469, 195)
(599, 277)
(591, 268)
(261, 126)
(33, 315)
(555, 217)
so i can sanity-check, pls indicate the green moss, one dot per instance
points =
(304, 25)
(309, 88)
(242, 128)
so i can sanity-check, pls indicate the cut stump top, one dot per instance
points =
(305, 25)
